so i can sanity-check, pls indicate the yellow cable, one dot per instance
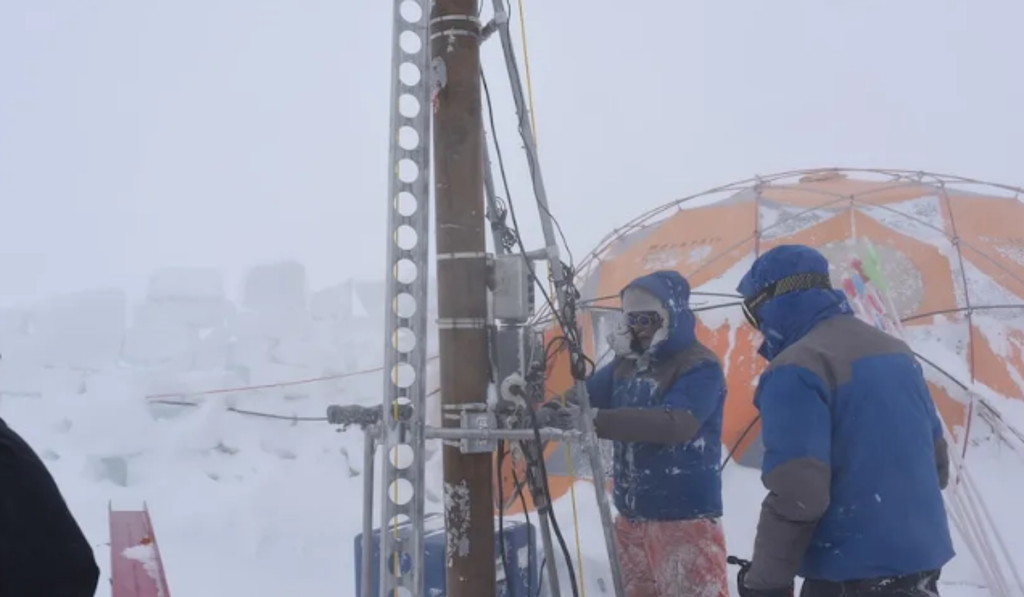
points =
(551, 289)
(526, 61)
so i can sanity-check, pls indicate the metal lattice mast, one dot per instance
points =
(402, 427)
(558, 274)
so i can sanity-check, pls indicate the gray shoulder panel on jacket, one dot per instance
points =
(832, 346)
(798, 496)
(678, 365)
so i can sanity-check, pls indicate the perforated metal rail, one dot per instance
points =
(402, 437)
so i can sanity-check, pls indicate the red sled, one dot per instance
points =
(136, 569)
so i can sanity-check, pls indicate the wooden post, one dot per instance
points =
(462, 274)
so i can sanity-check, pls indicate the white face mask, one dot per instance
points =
(635, 300)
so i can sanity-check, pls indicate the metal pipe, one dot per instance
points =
(369, 448)
(456, 433)
(554, 589)
(558, 276)
(542, 502)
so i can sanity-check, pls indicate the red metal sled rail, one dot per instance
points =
(136, 569)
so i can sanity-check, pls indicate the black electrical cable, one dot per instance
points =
(548, 508)
(508, 193)
(692, 309)
(569, 332)
(519, 492)
(498, 226)
(531, 554)
(549, 354)
(579, 364)
(579, 361)
(530, 551)
(692, 293)
(501, 520)
(532, 165)
(580, 358)
(736, 445)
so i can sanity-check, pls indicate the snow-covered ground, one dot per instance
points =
(245, 505)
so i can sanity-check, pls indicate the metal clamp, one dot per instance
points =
(484, 421)
(478, 419)
(473, 29)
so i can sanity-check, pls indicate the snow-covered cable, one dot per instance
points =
(345, 415)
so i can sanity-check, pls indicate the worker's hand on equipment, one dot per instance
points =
(554, 415)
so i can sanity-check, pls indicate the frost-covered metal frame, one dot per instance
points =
(609, 245)
(402, 428)
(944, 187)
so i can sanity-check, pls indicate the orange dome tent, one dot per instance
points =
(945, 256)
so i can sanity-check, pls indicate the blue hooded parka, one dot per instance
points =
(668, 482)
(841, 396)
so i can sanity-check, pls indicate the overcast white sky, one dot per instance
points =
(135, 135)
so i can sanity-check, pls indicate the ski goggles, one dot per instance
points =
(778, 288)
(643, 319)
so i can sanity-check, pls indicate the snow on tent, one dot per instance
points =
(937, 260)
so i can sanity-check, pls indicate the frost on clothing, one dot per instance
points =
(680, 557)
(663, 409)
(854, 454)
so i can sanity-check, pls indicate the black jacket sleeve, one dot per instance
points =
(42, 549)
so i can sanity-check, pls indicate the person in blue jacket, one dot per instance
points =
(660, 400)
(854, 457)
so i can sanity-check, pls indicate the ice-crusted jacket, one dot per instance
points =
(663, 410)
(854, 458)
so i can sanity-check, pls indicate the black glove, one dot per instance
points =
(745, 591)
(556, 416)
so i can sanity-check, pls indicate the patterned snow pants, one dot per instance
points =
(684, 558)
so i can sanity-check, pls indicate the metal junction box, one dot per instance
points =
(513, 294)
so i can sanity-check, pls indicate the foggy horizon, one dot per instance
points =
(228, 134)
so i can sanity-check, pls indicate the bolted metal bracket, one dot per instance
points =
(476, 417)
(484, 421)
(478, 431)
